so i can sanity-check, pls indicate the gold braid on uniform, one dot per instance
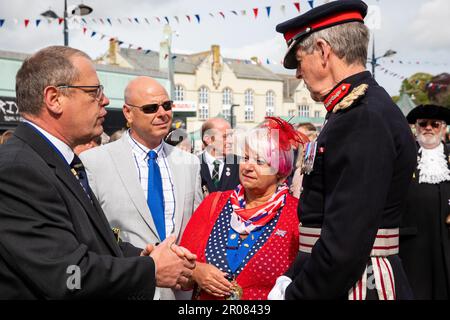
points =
(356, 93)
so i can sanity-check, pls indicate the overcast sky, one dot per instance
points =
(419, 30)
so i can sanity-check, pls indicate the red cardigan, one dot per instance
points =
(271, 261)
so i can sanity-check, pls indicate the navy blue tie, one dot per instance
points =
(78, 170)
(155, 196)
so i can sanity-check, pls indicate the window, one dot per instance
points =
(179, 93)
(291, 113)
(227, 97)
(303, 111)
(226, 111)
(249, 113)
(203, 95)
(203, 112)
(248, 97)
(270, 103)
(316, 114)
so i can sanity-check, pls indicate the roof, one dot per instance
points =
(290, 84)
(188, 64)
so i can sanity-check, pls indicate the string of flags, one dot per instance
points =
(409, 62)
(391, 73)
(437, 87)
(156, 19)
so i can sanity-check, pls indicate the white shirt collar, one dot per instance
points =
(141, 150)
(65, 150)
(433, 165)
(210, 159)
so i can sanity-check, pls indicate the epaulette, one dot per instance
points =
(116, 232)
(356, 93)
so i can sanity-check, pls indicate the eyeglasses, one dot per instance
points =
(153, 107)
(97, 91)
(435, 124)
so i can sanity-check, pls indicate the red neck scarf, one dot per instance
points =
(244, 220)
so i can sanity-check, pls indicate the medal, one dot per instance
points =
(309, 157)
(228, 173)
(236, 292)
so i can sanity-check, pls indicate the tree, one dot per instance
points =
(416, 87)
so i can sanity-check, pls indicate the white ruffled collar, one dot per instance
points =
(433, 165)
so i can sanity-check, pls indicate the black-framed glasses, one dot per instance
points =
(97, 91)
(153, 107)
(435, 124)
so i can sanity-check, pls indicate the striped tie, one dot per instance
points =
(215, 173)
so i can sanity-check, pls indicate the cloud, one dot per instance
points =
(431, 26)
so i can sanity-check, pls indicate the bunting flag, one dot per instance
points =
(167, 19)
(176, 19)
(27, 21)
(109, 21)
(93, 34)
(159, 20)
(297, 5)
(222, 14)
(311, 3)
(2, 21)
(120, 21)
(84, 30)
(136, 19)
(131, 21)
(283, 9)
(244, 12)
(101, 21)
(211, 15)
(60, 20)
(38, 21)
(268, 12)
(189, 18)
(146, 21)
(234, 12)
(84, 20)
(255, 11)
(198, 18)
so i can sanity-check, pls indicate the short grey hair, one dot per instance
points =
(50, 66)
(349, 41)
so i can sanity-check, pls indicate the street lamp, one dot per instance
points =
(374, 59)
(80, 10)
(232, 114)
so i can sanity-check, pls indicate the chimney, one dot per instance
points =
(113, 51)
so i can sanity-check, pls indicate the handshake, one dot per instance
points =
(174, 264)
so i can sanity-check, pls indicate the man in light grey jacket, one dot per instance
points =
(147, 188)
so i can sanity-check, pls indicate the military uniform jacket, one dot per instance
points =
(49, 226)
(365, 158)
(425, 238)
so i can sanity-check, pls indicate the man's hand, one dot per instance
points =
(147, 250)
(174, 264)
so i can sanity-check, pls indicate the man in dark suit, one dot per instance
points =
(55, 242)
(219, 168)
(358, 170)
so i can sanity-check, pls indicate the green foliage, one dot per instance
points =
(415, 87)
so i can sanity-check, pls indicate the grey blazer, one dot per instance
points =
(113, 179)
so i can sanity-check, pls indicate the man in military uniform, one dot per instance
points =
(425, 233)
(358, 171)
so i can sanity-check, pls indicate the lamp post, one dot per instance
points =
(373, 60)
(232, 114)
(80, 10)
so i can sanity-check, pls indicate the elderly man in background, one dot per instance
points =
(147, 188)
(55, 240)
(425, 236)
(358, 170)
(219, 167)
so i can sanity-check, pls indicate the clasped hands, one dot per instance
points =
(174, 264)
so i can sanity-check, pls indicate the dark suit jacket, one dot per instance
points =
(227, 182)
(49, 224)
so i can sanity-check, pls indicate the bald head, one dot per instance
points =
(147, 127)
(215, 137)
(141, 88)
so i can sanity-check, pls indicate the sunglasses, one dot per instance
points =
(153, 107)
(435, 124)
